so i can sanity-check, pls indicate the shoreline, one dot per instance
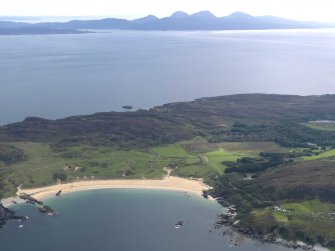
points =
(171, 183)
(167, 183)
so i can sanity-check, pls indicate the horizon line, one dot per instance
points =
(134, 17)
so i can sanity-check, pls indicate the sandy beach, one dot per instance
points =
(168, 183)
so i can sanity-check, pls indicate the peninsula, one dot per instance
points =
(269, 158)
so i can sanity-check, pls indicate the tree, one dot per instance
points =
(59, 176)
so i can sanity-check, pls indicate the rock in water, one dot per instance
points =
(47, 210)
(8, 214)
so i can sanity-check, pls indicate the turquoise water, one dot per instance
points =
(123, 220)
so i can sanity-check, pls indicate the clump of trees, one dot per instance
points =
(10, 154)
(285, 133)
(252, 165)
(62, 176)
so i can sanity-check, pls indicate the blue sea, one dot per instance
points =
(55, 76)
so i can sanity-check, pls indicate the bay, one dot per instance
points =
(123, 220)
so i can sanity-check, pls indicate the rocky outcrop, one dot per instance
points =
(8, 214)
(47, 210)
(30, 199)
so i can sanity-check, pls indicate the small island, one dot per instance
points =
(47, 210)
(127, 107)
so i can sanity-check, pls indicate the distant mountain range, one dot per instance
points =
(36, 30)
(203, 20)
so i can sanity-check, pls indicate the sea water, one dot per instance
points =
(124, 220)
(55, 76)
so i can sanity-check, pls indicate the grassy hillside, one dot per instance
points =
(42, 163)
(310, 221)
(321, 126)
(294, 201)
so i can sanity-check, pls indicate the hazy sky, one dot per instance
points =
(322, 10)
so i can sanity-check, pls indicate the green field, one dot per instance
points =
(172, 151)
(196, 158)
(309, 207)
(321, 126)
(253, 147)
(88, 162)
(200, 145)
(214, 159)
(82, 163)
(322, 155)
(212, 155)
(182, 162)
(198, 164)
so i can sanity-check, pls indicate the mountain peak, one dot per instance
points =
(179, 14)
(241, 17)
(204, 14)
(239, 14)
(149, 18)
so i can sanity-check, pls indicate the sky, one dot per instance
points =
(312, 10)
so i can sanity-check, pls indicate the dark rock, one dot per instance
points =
(47, 210)
(8, 214)
(205, 194)
(127, 107)
(30, 199)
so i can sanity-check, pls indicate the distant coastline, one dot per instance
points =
(38, 31)
(203, 20)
